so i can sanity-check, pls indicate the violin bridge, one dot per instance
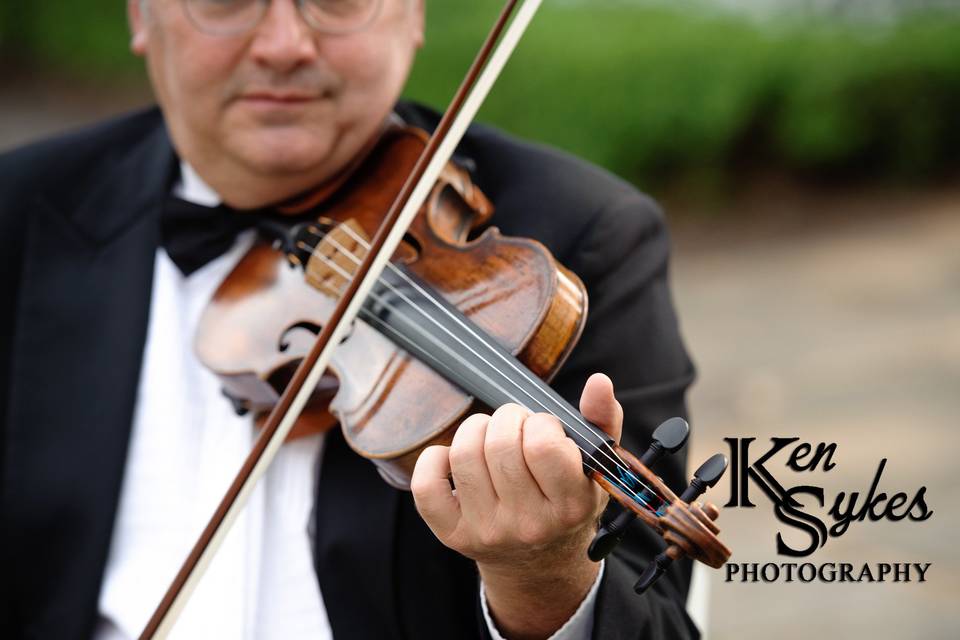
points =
(334, 258)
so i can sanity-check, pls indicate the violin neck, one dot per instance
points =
(423, 323)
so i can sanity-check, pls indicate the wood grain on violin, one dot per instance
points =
(410, 319)
(453, 320)
(510, 288)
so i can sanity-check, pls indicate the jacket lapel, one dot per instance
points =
(383, 573)
(81, 326)
(354, 552)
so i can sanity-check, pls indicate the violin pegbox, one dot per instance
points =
(687, 528)
(669, 437)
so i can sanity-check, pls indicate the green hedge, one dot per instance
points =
(650, 92)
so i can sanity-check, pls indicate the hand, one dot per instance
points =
(523, 508)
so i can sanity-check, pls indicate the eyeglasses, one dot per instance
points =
(235, 17)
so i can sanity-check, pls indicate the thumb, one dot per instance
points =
(599, 406)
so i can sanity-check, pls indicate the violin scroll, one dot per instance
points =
(688, 528)
(669, 437)
(707, 475)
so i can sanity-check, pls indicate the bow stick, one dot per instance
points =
(483, 72)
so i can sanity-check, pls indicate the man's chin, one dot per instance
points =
(281, 154)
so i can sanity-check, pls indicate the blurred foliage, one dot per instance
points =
(648, 90)
(86, 38)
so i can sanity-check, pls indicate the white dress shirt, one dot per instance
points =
(186, 445)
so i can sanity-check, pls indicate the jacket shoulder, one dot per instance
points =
(545, 193)
(556, 197)
(71, 158)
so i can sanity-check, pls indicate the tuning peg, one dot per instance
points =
(669, 437)
(610, 534)
(707, 475)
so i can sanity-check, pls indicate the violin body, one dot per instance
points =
(389, 404)
(397, 351)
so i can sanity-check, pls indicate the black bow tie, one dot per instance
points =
(193, 234)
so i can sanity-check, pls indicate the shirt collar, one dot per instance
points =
(192, 188)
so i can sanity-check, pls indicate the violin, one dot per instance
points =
(409, 320)
(451, 319)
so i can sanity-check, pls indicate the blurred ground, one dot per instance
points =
(839, 326)
(826, 315)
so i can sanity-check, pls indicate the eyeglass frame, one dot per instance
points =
(265, 4)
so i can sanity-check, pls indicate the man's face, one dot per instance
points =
(269, 113)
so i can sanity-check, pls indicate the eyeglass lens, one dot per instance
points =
(231, 17)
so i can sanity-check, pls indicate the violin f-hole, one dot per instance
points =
(283, 344)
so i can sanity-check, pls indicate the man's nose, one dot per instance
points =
(283, 40)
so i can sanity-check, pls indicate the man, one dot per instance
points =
(113, 435)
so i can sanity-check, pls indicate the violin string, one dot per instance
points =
(617, 463)
(372, 318)
(621, 484)
(378, 299)
(483, 339)
(429, 336)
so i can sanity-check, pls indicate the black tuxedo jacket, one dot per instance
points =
(79, 227)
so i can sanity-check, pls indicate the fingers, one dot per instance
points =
(520, 485)
(554, 460)
(468, 465)
(503, 450)
(599, 406)
(435, 501)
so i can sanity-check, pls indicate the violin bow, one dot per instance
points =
(486, 67)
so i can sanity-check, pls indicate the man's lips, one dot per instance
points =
(279, 98)
(276, 106)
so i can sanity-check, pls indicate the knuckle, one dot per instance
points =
(510, 410)
(501, 436)
(470, 426)
(568, 454)
(504, 435)
(539, 451)
(544, 447)
(461, 454)
(508, 417)
(489, 538)
(420, 484)
(475, 420)
(430, 454)
(467, 483)
(510, 467)
(575, 512)
(543, 423)
(498, 450)
(418, 487)
(532, 533)
(464, 453)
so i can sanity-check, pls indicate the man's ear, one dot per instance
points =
(136, 16)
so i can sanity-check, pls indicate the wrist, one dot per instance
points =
(534, 599)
